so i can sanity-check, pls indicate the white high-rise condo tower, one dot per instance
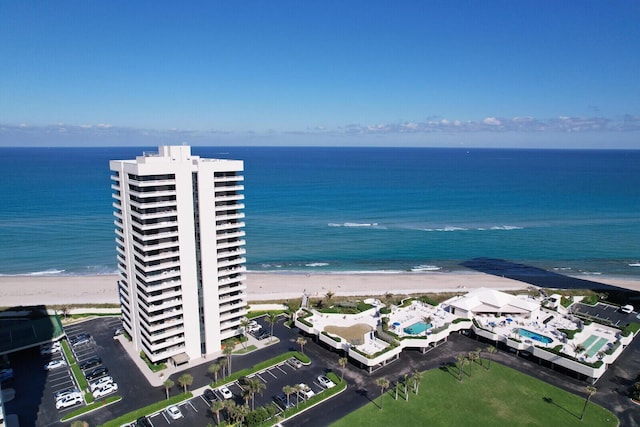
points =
(180, 251)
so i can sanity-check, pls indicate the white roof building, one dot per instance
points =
(496, 303)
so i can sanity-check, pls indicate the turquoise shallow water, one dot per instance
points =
(351, 209)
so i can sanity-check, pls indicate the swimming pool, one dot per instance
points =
(534, 336)
(417, 328)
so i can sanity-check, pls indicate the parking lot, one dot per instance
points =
(606, 312)
(196, 410)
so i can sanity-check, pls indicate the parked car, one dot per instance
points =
(225, 392)
(118, 332)
(209, 395)
(68, 401)
(262, 335)
(306, 391)
(253, 326)
(52, 348)
(105, 390)
(143, 422)
(293, 361)
(81, 341)
(281, 400)
(90, 363)
(66, 392)
(55, 364)
(174, 412)
(627, 309)
(100, 382)
(96, 373)
(326, 382)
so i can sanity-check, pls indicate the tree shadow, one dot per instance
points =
(450, 368)
(550, 401)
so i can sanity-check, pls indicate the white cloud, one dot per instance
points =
(492, 121)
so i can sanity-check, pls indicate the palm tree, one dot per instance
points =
(241, 412)
(491, 350)
(396, 389)
(272, 319)
(406, 384)
(244, 324)
(288, 390)
(301, 341)
(343, 363)
(472, 356)
(417, 378)
(185, 380)
(478, 351)
(329, 295)
(223, 365)
(230, 407)
(216, 407)
(297, 389)
(578, 348)
(167, 385)
(591, 390)
(460, 361)
(388, 299)
(255, 386)
(79, 423)
(227, 350)
(213, 369)
(383, 383)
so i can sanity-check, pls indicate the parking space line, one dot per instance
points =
(259, 376)
(271, 373)
(190, 404)
(281, 370)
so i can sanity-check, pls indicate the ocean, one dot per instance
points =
(353, 210)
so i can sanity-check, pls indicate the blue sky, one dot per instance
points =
(405, 73)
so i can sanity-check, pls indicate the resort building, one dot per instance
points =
(520, 324)
(180, 251)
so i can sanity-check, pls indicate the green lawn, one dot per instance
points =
(499, 396)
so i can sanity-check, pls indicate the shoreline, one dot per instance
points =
(101, 289)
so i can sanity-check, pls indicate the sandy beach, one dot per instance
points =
(49, 290)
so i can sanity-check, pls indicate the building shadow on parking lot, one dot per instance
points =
(548, 279)
(22, 331)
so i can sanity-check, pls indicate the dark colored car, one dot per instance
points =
(264, 334)
(90, 363)
(209, 395)
(143, 422)
(96, 373)
(281, 400)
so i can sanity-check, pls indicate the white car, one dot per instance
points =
(627, 309)
(225, 392)
(326, 382)
(54, 364)
(99, 383)
(66, 392)
(306, 391)
(104, 390)
(52, 348)
(253, 326)
(69, 401)
(174, 412)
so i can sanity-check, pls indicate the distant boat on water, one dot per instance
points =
(634, 264)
